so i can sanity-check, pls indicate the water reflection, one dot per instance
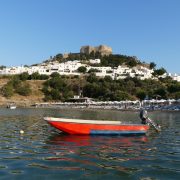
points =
(99, 152)
(104, 147)
(77, 140)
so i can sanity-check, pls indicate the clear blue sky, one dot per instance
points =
(33, 30)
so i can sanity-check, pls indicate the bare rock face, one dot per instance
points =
(102, 49)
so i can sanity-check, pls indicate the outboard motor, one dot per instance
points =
(146, 120)
(143, 116)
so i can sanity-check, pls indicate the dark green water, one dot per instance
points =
(43, 153)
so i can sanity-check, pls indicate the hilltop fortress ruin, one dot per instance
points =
(102, 49)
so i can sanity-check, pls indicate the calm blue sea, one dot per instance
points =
(44, 153)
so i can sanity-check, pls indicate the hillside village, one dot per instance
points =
(71, 67)
(94, 75)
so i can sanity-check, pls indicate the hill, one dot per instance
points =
(36, 95)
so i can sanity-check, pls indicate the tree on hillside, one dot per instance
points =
(55, 75)
(82, 69)
(152, 65)
(92, 78)
(92, 90)
(92, 70)
(176, 95)
(14, 81)
(55, 94)
(130, 86)
(121, 96)
(7, 90)
(24, 76)
(2, 67)
(161, 92)
(58, 88)
(131, 63)
(24, 89)
(141, 94)
(173, 88)
(58, 57)
(108, 79)
(159, 72)
(35, 75)
(43, 77)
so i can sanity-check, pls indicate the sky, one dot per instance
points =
(33, 30)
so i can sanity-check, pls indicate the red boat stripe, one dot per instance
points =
(74, 128)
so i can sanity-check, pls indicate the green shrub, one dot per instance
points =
(7, 90)
(24, 89)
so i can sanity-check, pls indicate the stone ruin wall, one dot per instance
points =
(102, 49)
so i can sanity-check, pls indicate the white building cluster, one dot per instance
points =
(71, 68)
(175, 77)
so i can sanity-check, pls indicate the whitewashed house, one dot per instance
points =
(13, 70)
(142, 72)
(103, 71)
(95, 61)
(122, 72)
(175, 77)
(69, 67)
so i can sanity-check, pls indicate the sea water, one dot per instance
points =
(42, 152)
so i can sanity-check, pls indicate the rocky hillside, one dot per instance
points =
(34, 97)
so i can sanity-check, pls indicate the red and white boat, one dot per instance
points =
(96, 127)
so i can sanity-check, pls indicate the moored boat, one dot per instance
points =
(96, 127)
(11, 106)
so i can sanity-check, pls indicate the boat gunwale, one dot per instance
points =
(82, 121)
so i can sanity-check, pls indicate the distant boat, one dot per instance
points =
(11, 106)
(96, 127)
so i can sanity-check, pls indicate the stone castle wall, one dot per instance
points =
(102, 49)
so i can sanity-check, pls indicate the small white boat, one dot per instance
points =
(11, 106)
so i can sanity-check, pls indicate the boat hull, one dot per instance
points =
(85, 128)
(12, 107)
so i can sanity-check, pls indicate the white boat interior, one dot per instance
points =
(82, 121)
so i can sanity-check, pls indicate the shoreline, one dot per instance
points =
(100, 106)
